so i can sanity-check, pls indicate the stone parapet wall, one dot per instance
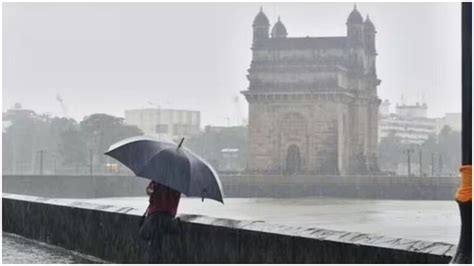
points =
(110, 233)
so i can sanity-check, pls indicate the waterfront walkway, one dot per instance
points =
(436, 221)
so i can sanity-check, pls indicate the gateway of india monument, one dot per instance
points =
(313, 105)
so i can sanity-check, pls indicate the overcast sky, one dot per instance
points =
(109, 57)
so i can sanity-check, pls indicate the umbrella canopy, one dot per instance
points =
(169, 164)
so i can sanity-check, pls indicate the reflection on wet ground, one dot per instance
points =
(412, 219)
(19, 250)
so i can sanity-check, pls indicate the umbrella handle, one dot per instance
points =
(180, 143)
(204, 191)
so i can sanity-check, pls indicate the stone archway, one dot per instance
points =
(293, 145)
(293, 160)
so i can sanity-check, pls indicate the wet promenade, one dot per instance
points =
(19, 250)
(435, 221)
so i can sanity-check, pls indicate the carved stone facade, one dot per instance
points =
(313, 102)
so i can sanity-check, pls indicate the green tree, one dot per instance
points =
(391, 152)
(449, 146)
(446, 145)
(209, 143)
(99, 131)
(65, 144)
(27, 134)
(72, 149)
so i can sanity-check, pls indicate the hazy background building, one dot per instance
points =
(412, 143)
(67, 90)
(224, 147)
(167, 124)
(230, 161)
(452, 120)
(409, 122)
(313, 105)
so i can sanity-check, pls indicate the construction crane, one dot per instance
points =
(61, 103)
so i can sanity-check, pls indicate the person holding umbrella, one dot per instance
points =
(172, 170)
(162, 209)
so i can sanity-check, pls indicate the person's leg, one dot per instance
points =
(153, 252)
(144, 231)
(161, 223)
(145, 234)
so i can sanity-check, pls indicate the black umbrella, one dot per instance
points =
(169, 164)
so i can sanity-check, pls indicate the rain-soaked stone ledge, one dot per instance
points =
(110, 233)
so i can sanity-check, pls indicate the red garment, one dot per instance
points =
(163, 199)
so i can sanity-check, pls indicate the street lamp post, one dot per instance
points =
(421, 163)
(41, 153)
(409, 151)
(91, 157)
(440, 164)
(432, 165)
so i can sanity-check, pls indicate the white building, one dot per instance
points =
(409, 122)
(453, 120)
(165, 124)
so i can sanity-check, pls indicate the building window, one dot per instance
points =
(189, 118)
(161, 129)
(185, 129)
(176, 129)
